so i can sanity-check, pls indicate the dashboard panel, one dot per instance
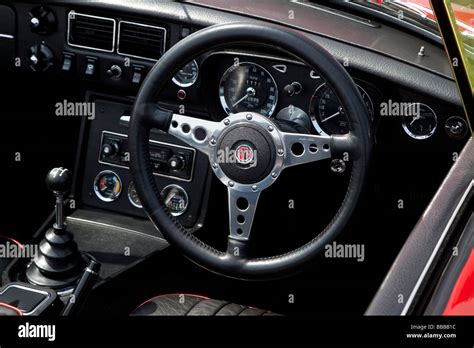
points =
(108, 52)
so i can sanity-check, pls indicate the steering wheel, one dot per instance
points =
(255, 139)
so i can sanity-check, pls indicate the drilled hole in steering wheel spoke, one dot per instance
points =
(297, 149)
(241, 219)
(186, 128)
(313, 148)
(242, 204)
(200, 134)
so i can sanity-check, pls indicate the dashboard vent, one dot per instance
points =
(141, 40)
(91, 32)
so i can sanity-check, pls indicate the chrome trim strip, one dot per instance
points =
(335, 13)
(154, 142)
(6, 36)
(395, 19)
(31, 290)
(141, 25)
(436, 249)
(72, 14)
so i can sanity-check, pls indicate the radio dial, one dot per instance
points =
(110, 149)
(176, 162)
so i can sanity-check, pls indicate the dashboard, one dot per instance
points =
(109, 49)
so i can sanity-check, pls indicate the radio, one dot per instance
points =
(168, 160)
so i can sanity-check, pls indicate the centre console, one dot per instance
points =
(27, 299)
(181, 173)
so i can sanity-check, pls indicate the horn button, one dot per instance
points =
(246, 154)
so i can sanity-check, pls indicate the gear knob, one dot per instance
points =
(59, 180)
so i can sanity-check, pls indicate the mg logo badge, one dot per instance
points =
(244, 154)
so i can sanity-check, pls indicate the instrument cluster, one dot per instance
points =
(278, 88)
(288, 90)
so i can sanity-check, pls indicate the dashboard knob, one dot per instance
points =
(110, 149)
(176, 162)
(42, 20)
(456, 127)
(115, 72)
(40, 58)
(35, 22)
(293, 89)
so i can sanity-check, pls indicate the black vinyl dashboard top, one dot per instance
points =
(382, 51)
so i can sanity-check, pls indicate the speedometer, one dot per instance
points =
(248, 87)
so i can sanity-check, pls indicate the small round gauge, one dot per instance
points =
(248, 87)
(419, 121)
(188, 75)
(176, 199)
(107, 186)
(327, 114)
(133, 196)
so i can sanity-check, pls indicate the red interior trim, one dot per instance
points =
(13, 240)
(20, 313)
(461, 300)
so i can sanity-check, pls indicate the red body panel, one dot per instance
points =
(461, 301)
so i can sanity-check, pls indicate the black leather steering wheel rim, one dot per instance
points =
(146, 115)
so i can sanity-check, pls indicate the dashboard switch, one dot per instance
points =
(137, 76)
(91, 66)
(67, 62)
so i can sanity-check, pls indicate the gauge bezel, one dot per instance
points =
(420, 137)
(189, 84)
(96, 187)
(222, 89)
(139, 206)
(185, 194)
(315, 122)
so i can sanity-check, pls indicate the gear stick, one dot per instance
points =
(58, 263)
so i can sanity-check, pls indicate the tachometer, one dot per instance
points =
(248, 87)
(327, 114)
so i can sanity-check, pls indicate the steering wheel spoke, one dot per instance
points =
(242, 207)
(198, 133)
(305, 148)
